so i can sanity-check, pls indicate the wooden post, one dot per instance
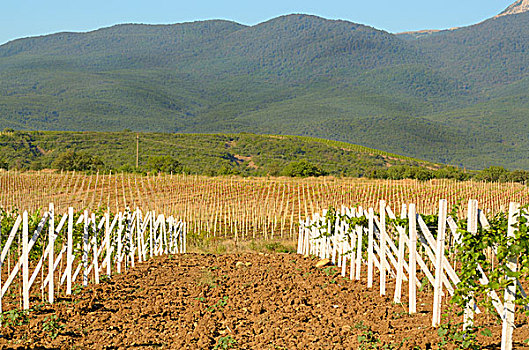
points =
(184, 237)
(137, 150)
(370, 249)
(120, 243)
(301, 236)
(69, 252)
(383, 238)
(412, 288)
(151, 233)
(439, 271)
(85, 249)
(472, 227)
(359, 234)
(138, 234)
(344, 247)
(352, 256)
(306, 240)
(358, 264)
(400, 260)
(107, 240)
(510, 291)
(51, 246)
(25, 262)
(95, 260)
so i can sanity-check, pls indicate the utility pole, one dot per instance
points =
(137, 149)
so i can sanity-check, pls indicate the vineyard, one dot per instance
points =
(443, 272)
(78, 246)
(241, 207)
(480, 266)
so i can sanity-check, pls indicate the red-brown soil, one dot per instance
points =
(246, 301)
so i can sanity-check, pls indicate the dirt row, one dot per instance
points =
(235, 301)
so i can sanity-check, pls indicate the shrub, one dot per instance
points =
(78, 161)
(302, 168)
(165, 164)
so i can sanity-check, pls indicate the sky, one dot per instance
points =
(23, 18)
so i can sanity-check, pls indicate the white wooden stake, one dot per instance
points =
(138, 234)
(185, 238)
(107, 240)
(400, 260)
(334, 240)
(85, 249)
(151, 233)
(510, 291)
(95, 260)
(69, 252)
(370, 249)
(412, 288)
(300, 236)
(382, 253)
(359, 234)
(120, 243)
(344, 247)
(472, 227)
(25, 262)
(438, 288)
(352, 256)
(51, 246)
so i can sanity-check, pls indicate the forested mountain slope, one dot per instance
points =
(457, 97)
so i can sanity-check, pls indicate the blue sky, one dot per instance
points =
(22, 18)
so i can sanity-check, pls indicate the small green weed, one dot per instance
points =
(77, 289)
(220, 304)
(52, 326)
(207, 279)
(329, 271)
(360, 325)
(104, 278)
(225, 343)
(368, 340)
(278, 248)
(14, 318)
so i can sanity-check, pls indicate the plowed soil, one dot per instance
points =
(239, 301)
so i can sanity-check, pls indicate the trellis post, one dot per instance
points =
(69, 252)
(382, 246)
(412, 288)
(25, 262)
(51, 245)
(439, 271)
(472, 227)
(510, 291)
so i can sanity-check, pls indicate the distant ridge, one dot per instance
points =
(519, 6)
(456, 97)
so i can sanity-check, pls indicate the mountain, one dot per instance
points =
(458, 97)
(519, 6)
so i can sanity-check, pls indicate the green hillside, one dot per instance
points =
(210, 154)
(457, 97)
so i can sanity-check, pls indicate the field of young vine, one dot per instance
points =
(241, 207)
(82, 262)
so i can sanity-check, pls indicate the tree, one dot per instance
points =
(302, 168)
(493, 174)
(78, 161)
(165, 164)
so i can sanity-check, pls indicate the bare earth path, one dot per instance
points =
(239, 301)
